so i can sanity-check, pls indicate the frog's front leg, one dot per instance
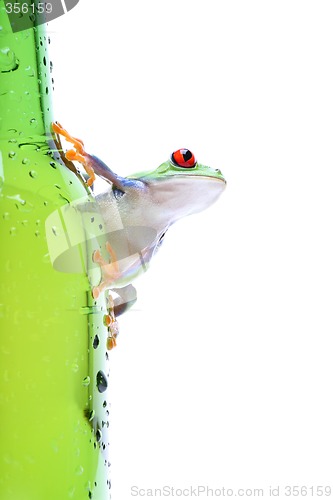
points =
(78, 154)
(90, 163)
(70, 165)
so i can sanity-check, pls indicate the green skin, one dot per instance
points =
(154, 200)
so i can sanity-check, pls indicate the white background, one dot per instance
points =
(223, 374)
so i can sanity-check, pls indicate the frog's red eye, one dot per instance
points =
(183, 158)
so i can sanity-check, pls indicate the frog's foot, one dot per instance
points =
(111, 343)
(109, 269)
(112, 324)
(78, 153)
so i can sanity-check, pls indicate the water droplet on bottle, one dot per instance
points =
(26, 161)
(86, 381)
(54, 230)
(12, 231)
(6, 216)
(79, 470)
(71, 492)
(101, 381)
(96, 342)
(33, 174)
(98, 435)
(11, 154)
(75, 367)
(37, 233)
(8, 60)
(30, 71)
(46, 258)
(91, 415)
(53, 165)
(33, 122)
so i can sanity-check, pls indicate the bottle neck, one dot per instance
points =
(25, 86)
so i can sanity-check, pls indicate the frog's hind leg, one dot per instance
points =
(78, 153)
(126, 298)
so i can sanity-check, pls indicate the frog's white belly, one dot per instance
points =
(136, 221)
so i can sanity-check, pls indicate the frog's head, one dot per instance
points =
(181, 186)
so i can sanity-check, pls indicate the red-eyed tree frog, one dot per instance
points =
(148, 203)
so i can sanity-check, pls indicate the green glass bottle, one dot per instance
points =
(54, 403)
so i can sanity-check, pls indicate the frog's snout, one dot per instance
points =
(220, 176)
